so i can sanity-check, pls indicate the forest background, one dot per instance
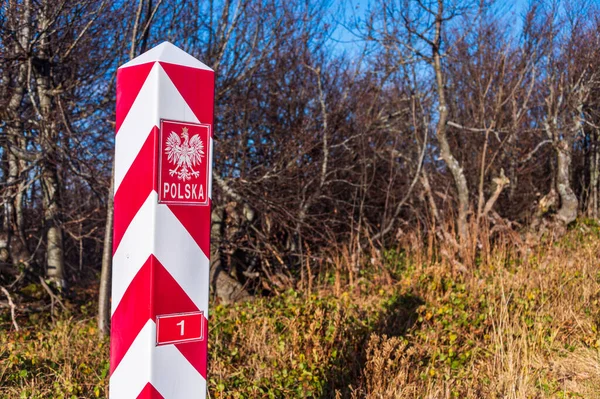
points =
(405, 193)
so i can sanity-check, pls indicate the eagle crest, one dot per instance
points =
(184, 155)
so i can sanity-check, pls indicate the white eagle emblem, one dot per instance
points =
(184, 155)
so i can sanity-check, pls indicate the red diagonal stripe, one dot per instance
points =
(132, 313)
(137, 184)
(149, 392)
(129, 83)
(169, 297)
(195, 219)
(190, 82)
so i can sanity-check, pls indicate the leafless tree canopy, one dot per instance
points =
(461, 122)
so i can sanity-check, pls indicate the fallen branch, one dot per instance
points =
(12, 306)
(53, 296)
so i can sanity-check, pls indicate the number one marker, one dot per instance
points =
(160, 282)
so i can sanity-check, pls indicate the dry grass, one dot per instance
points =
(538, 336)
(522, 324)
(66, 361)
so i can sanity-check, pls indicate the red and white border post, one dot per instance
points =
(160, 280)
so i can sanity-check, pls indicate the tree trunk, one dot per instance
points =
(54, 237)
(107, 248)
(55, 270)
(592, 206)
(106, 273)
(460, 181)
(13, 198)
(223, 285)
(569, 204)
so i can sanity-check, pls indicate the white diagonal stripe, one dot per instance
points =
(158, 99)
(134, 249)
(134, 371)
(179, 253)
(171, 105)
(137, 125)
(173, 376)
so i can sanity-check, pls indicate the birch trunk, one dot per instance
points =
(460, 181)
(55, 266)
(13, 200)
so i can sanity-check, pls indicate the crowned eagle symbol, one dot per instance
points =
(184, 155)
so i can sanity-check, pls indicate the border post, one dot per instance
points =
(162, 201)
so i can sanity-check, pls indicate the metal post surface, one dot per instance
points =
(160, 281)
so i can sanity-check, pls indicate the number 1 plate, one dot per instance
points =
(179, 328)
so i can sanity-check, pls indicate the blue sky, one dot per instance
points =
(345, 11)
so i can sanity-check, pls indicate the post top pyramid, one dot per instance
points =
(167, 52)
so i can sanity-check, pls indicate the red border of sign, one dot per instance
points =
(179, 341)
(208, 160)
